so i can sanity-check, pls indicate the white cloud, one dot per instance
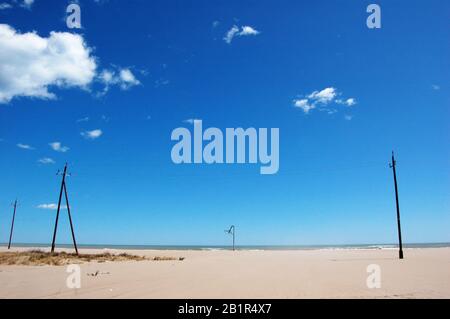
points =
(25, 146)
(348, 102)
(230, 34)
(348, 117)
(325, 96)
(30, 64)
(46, 160)
(84, 119)
(124, 78)
(248, 30)
(4, 6)
(304, 105)
(92, 135)
(27, 4)
(57, 147)
(234, 31)
(323, 100)
(127, 79)
(51, 206)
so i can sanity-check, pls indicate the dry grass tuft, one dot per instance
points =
(41, 258)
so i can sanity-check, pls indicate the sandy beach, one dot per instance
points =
(424, 273)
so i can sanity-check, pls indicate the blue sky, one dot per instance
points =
(112, 92)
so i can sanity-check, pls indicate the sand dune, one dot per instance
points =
(424, 273)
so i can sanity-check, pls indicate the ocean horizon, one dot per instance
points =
(237, 247)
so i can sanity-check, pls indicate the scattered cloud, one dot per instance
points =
(230, 34)
(248, 30)
(4, 6)
(348, 117)
(325, 96)
(348, 102)
(92, 135)
(27, 4)
(123, 77)
(46, 160)
(84, 119)
(31, 64)
(234, 32)
(127, 79)
(215, 24)
(323, 100)
(51, 206)
(435, 87)
(304, 105)
(57, 147)
(25, 146)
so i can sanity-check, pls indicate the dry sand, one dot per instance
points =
(424, 273)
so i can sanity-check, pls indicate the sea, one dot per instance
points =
(237, 247)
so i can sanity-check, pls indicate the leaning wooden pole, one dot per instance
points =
(12, 224)
(400, 252)
(59, 208)
(70, 219)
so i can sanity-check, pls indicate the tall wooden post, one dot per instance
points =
(63, 187)
(12, 224)
(393, 165)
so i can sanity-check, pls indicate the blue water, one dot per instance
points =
(249, 247)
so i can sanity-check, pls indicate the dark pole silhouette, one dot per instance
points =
(392, 165)
(70, 219)
(63, 187)
(12, 224)
(231, 231)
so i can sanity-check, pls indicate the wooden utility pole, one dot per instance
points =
(12, 224)
(393, 165)
(63, 187)
(232, 231)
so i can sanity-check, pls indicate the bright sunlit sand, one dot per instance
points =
(326, 273)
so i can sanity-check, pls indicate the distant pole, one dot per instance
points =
(393, 165)
(12, 224)
(232, 231)
(63, 187)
